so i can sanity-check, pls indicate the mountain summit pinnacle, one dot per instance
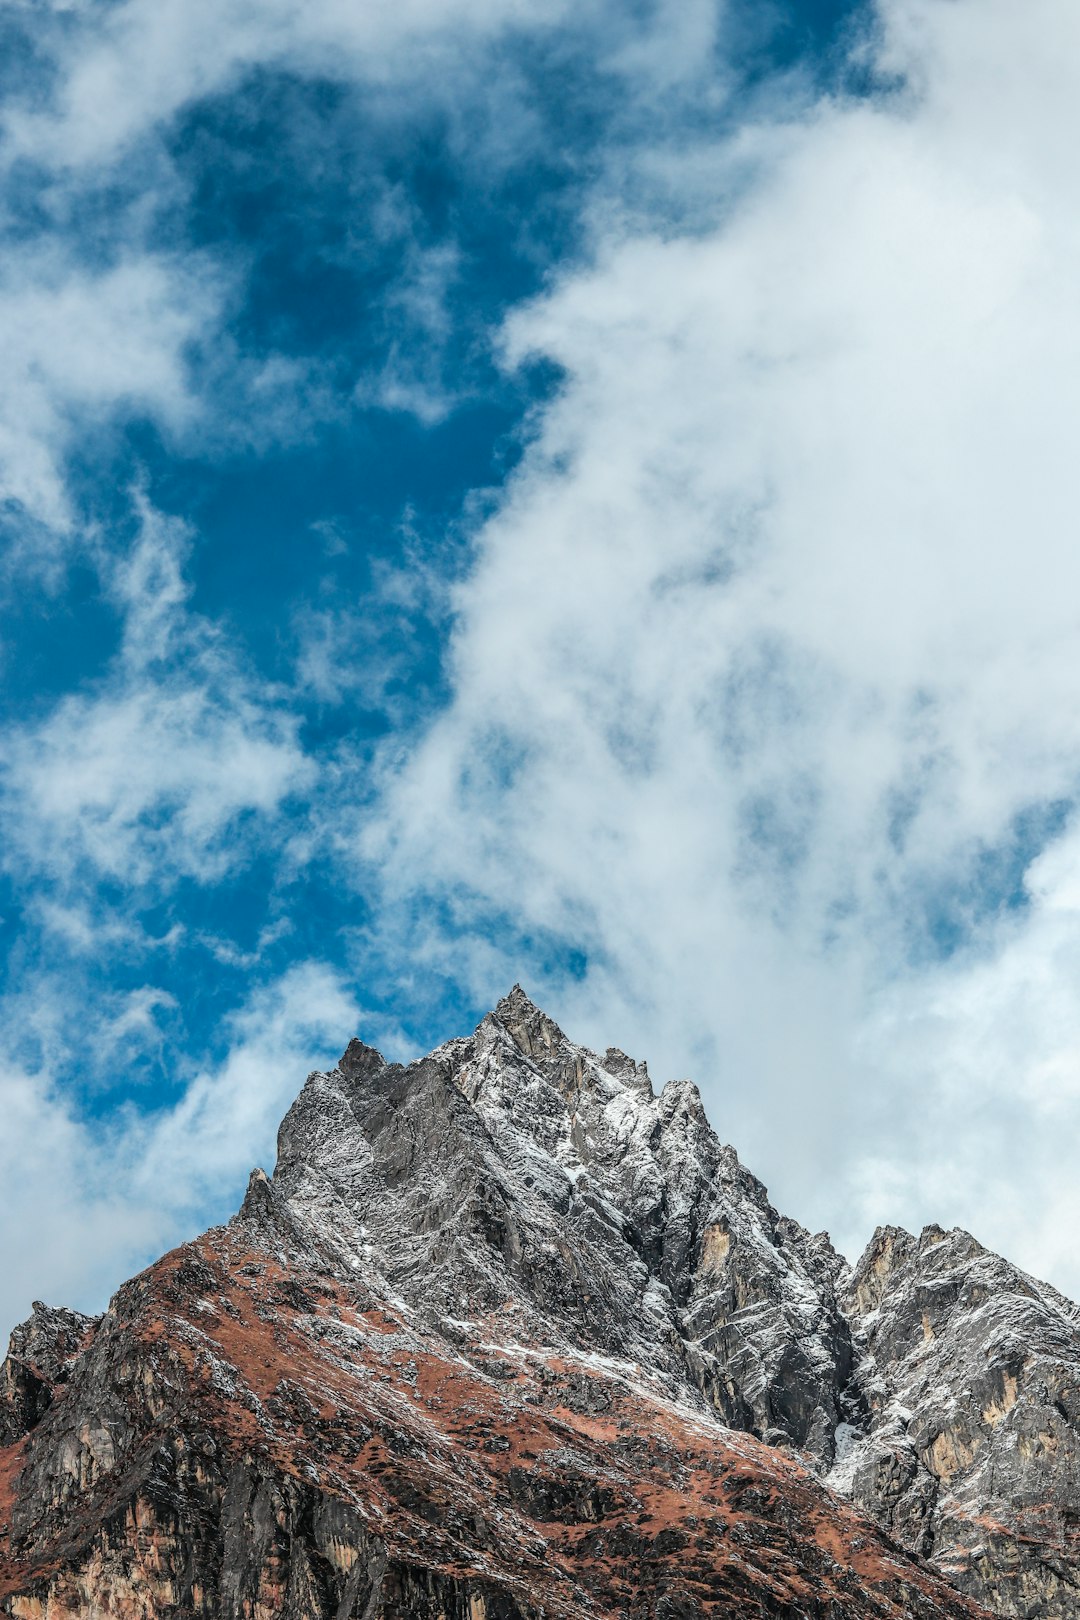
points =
(508, 1335)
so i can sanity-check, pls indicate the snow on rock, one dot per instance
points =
(971, 1451)
(518, 1166)
(482, 1347)
(934, 1385)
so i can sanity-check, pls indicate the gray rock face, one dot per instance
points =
(934, 1384)
(510, 1293)
(40, 1355)
(463, 1357)
(971, 1456)
(515, 1169)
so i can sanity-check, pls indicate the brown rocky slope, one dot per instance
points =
(507, 1335)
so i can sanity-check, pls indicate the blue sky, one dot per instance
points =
(573, 494)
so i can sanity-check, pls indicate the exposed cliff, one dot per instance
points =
(971, 1374)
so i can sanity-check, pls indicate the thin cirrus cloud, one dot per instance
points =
(114, 326)
(768, 657)
(174, 764)
(124, 72)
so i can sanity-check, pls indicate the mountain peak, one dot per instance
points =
(500, 1307)
(517, 1168)
(532, 1029)
(41, 1352)
(570, 1066)
(360, 1060)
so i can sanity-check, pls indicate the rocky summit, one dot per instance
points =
(509, 1334)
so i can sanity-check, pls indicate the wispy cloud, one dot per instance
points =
(163, 767)
(109, 312)
(79, 343)
(124, 71)
(127, 72)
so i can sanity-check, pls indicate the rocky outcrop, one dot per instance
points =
(507, 1333)
(39, 1359)
(249, 1435)
(971, 1455)
(515, 1164)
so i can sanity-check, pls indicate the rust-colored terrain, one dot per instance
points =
(242, 1435)
(508, 1333)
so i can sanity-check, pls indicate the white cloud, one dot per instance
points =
(93, 324)
(79, 343)
(132, 67)
(159, 770)
(84, 930)
(58, 1239)
(231, 1112)
(776, 632)
(373, 652)
(148, 781)
(997, 1035)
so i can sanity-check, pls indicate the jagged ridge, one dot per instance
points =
(496, 1277)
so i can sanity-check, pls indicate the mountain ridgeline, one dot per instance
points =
(508, 1334)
